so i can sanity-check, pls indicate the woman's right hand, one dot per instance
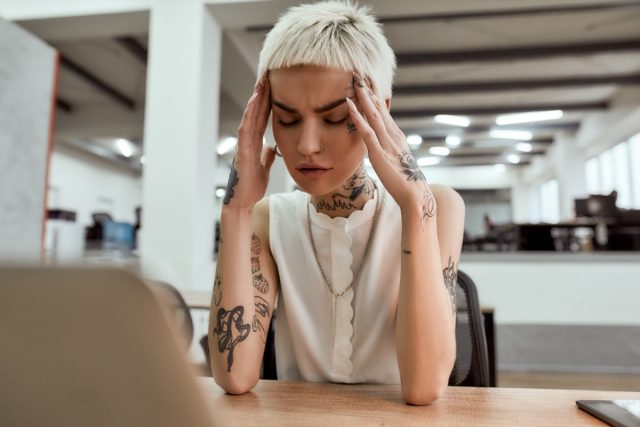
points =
(252, 162)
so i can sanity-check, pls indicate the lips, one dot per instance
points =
(312, 170)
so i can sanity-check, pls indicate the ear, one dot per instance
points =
(387, 102)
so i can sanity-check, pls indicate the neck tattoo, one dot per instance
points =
(351, 196)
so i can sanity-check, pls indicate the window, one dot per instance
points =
(593, 176)
(621, 176)
(605, 160)
(634, 161)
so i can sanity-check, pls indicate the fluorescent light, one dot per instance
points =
(525, 147)
(500, 167)
(523, 135)
(428, 161)
(453, 120)
(220, 192)
(453, 140)
(513, 158)
(532, 116)
(414, 140)
(439, 151)
(227, 145)
(125, 147)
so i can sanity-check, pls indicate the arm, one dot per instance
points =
(425, 324)
(245, 283)
(431, 243)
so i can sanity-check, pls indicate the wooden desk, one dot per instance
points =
(285, 403)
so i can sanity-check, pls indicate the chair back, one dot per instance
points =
(472, 361)
(176, 308)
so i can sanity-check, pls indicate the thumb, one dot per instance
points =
(267, 157)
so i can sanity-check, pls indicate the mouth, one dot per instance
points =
(313, 172)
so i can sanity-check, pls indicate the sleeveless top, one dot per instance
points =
(325, 338)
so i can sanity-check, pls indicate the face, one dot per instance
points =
(312, 126)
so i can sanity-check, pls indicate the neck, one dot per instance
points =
(349, 197)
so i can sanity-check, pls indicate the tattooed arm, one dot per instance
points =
(243, 298)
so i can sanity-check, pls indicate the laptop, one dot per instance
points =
(616, 413)
(91, 347)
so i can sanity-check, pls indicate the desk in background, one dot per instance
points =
(298, 403)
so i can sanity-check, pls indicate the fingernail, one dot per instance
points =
(351, 104)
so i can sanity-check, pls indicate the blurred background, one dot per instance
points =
(529, 109)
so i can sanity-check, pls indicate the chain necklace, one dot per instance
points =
(366, 250)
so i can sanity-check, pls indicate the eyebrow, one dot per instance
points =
(322, 109)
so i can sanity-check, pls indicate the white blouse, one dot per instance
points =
(321, 337)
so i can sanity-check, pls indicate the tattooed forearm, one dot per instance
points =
(410, 167)
(406, 252)
(231, 331)
(217, 290)
(262, 306)
(428, 207)
(259, 328)
(231, 185)
(450, 279)
(262, 309)
(259, 281)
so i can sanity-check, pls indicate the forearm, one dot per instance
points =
(425, 324)
(234, 350)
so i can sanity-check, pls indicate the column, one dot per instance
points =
(570, 172)
(180, 132)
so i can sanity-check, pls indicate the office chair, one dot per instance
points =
(176, 307)
(472, 361)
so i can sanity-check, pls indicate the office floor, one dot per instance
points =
(569, 381)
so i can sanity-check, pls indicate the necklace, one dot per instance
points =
(366, 250)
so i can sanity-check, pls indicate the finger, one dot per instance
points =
(264, 108)
(370, 112)
(364, 129)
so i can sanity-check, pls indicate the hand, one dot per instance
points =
(252, 162)
(389, 151)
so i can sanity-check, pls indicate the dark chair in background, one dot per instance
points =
(472, 361)
(177, 309)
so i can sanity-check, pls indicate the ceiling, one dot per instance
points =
(477, 59)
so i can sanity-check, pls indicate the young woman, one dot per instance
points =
(365, 269)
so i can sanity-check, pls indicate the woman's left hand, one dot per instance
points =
(389, 152)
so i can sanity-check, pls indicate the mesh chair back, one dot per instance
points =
(472, 363)
(176, 308)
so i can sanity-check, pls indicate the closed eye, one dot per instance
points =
(336, 123)
(288, 124)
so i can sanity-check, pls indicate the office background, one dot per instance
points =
(150, 95)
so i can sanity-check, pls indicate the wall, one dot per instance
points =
(85, 183)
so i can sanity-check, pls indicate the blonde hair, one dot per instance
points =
(333, 34)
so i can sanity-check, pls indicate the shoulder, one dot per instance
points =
(447, 199)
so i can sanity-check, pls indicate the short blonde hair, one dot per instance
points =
(334, 34)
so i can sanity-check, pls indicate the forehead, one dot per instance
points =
(309, 86)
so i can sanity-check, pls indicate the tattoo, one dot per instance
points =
(359, 184)
(260, 283)
(351, 128)
(262, 306)
(450, 279)
(255, 265)
(217, 290)
(256, 249)
(404, 251)
(258, 327)
(428, 207)
(231, 185)
(231, 331)
(410, 167)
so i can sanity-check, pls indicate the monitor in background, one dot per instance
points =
(602, 206)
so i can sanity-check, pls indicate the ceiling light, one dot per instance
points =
(428, 161)
(499, 167)
(439, 151)
(513, 158)
(414, 140)
(453, 120)
(220, 192)
(125, 147)
(525, 147)
(453, 140)
(533, 116)
(523, 135)
(227, 145)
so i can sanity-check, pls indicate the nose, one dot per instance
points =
(309, 142)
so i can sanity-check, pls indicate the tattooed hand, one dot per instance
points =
(389, 152)
(251, 164)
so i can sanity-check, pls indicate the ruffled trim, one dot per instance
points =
(342, 367)
(354, 220)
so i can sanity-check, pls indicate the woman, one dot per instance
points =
(364, 269)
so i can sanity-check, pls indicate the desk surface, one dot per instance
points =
(308, 404)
